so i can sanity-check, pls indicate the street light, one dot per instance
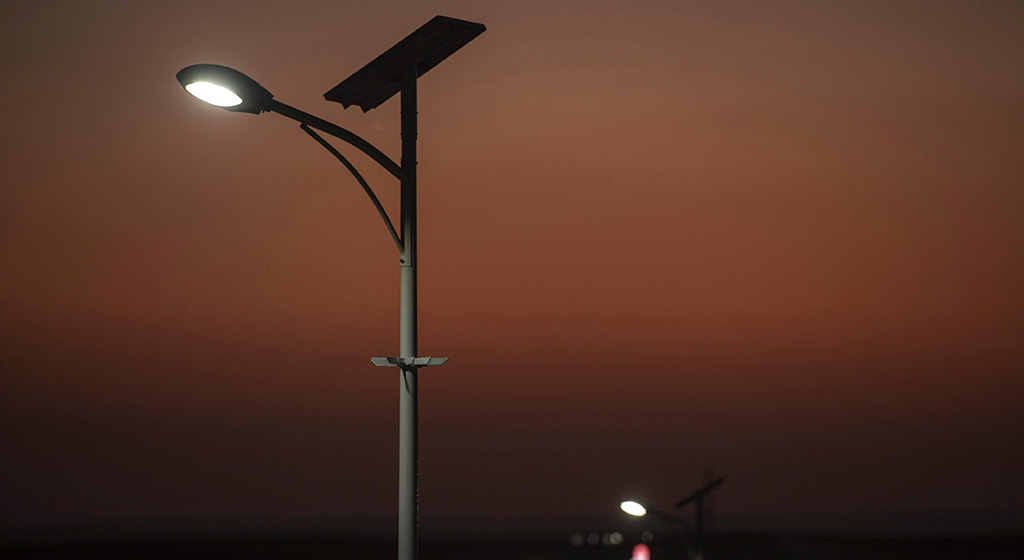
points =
(394, 71)
(637, 509)
(697, 497)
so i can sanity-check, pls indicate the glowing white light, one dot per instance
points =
(214, 94)
(633, 508)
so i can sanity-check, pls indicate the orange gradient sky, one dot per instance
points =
(784, 242)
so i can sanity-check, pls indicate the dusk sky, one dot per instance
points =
(780, 241)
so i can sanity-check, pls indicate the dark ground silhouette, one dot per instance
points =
(733, 547)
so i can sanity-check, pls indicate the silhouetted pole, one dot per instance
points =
(408, 484)
(698, 497)
(397, 71)
(700, 528)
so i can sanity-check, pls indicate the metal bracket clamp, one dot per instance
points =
(407, 362)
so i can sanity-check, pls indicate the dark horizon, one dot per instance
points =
(312, 541)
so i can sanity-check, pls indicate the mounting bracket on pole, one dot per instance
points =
(406, 362)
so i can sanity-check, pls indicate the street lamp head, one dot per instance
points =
(633, 508)
(225, 87)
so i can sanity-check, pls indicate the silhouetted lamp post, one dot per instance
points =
(637, 509)
(696, 553)
(394, 71)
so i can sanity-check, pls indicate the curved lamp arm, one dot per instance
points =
(362, 182)
(232, 90)
(338, 132)
(666, 516)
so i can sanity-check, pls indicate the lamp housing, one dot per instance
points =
(633, 508)
(226, 88)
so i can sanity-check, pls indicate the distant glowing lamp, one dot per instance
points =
(633, 508)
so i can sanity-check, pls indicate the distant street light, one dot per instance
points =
(696, 553)
(394, 71)
(633, 508)
(639, 510)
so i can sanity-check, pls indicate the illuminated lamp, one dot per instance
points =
(226, 88)
(633, 508)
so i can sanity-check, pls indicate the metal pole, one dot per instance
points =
(408, 490)
(691, 553)
(700, 527)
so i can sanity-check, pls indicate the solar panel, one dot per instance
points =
(423, 49)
